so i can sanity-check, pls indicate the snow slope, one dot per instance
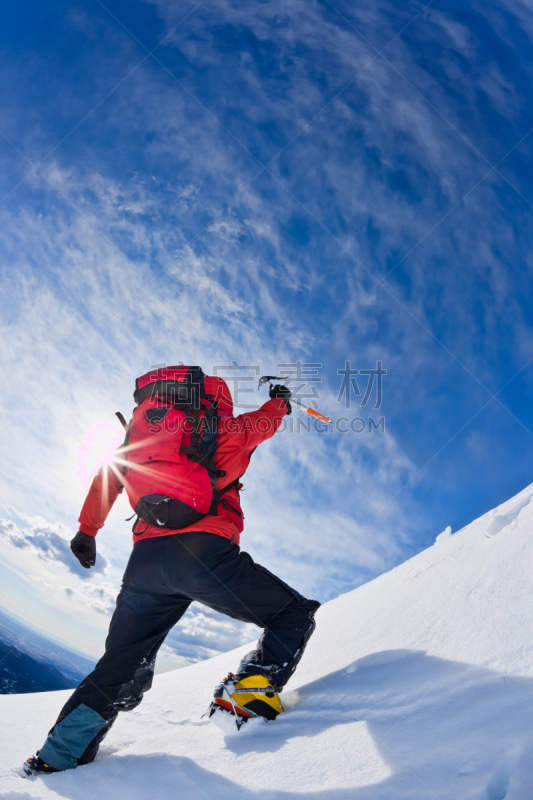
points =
(417, 685)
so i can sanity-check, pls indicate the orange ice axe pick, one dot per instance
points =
(266, 379)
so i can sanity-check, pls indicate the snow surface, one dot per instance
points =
(416, 685)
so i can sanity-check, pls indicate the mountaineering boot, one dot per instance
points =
(36, 766)
(237, 701)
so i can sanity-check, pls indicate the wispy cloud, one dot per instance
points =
(50, 543)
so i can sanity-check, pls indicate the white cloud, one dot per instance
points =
(95, 597)
(203, 633)
(49, 543)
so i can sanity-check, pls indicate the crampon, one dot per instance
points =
(237, 702)
(36, 766)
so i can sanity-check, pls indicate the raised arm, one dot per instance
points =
(257, 426)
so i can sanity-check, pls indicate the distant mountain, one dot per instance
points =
(20, 673)
(31, 663)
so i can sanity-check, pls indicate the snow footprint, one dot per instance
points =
(498, 786)
(521, 777)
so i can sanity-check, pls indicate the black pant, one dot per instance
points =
(164, 575)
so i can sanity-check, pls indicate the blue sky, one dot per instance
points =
(264, 183)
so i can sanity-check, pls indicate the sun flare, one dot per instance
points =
(98, 449)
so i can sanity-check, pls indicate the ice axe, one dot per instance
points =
(266, 380)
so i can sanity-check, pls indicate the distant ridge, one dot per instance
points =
(20, 673)
(30, 662)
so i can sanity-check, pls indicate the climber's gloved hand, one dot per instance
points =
(84, 548)
(283, 393)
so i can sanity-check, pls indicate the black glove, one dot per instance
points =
(84, 548)
(283, 393)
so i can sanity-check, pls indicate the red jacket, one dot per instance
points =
(237, 439)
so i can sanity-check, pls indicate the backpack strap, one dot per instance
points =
(121, 419)
(198, 450)
(125, 446)
(217, 496)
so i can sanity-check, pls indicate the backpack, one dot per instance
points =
(170, 449)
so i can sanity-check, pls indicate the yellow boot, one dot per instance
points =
(239, 699)
(264, 703)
